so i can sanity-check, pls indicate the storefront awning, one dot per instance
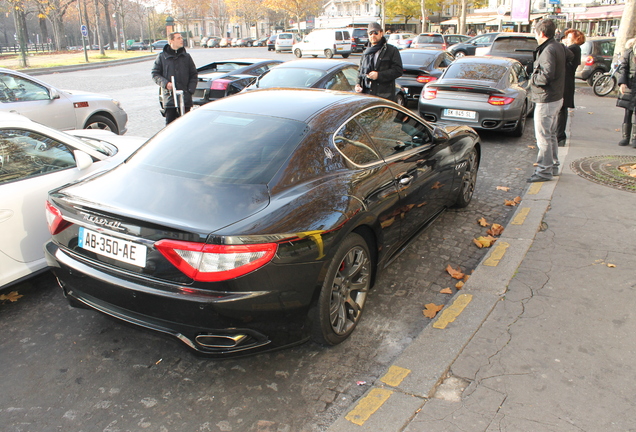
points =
(601, 12)
(473, 20)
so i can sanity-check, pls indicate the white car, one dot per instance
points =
(59, 109)
(285, 42)
(325, 42)
(33, 160)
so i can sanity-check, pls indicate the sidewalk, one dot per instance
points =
(541, 338)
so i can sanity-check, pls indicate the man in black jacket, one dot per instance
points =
(380, 66)
(175, 62)
(547, 84)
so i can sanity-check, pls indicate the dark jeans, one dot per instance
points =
(173, 113)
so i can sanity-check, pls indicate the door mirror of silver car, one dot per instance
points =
(82, 160)
(54, 93)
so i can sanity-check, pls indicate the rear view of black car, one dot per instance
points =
(258, 231)
(360, 39)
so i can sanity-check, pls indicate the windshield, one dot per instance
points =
(475, 71)
(222, 147)
(432, 39)
(289, 77)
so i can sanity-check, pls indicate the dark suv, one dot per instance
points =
(518, 46)
(596, 58)
(468, 47)
(359, 39)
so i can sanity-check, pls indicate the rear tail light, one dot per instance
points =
(444, 46)
(430, 93)
(500, 100)
(212, 263)
(589, 61)
(219, 84)
(425, 79)
(54, 218)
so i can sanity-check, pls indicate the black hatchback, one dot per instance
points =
(596, 58)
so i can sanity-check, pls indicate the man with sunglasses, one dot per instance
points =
(380, 66)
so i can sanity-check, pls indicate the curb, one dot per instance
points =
(83, 66)
(393, 401)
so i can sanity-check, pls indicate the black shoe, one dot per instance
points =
(562, 143)
(537, 178)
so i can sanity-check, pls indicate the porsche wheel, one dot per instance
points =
(469, 180)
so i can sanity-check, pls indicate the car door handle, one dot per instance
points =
(405, 179)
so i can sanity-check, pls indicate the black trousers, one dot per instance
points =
(561, 123)
(173, 113)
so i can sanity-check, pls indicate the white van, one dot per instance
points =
(327, 42)
(285, 41)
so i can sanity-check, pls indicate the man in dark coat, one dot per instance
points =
(380, 66)
(547, 84)
(175, 62)
(627, 93)
(573, 39)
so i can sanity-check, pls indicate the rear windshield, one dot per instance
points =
(359, 32)
(432, 39)
(222, 147)
(284, 36)
(510, 45)
(475, 71)
(421, 59)
(290, 77)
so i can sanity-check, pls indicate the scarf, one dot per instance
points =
(370, 52)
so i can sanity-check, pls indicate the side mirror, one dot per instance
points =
(82, 160)
(53, 94)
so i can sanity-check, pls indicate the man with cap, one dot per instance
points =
(381, 64)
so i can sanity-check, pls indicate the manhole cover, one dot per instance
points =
(605, 170)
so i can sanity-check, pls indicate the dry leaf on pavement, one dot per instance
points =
(13, 296)
(446, 291)
(495, 230)
(455, 274)
(431, 310)
(459, 285)
(484, 241)
(503, 188)
(511, 203)
(482, 221)
(437, 185)
(611, 265)
(532, 147)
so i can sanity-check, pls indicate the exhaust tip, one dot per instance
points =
(220, 341)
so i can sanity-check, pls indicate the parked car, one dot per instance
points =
(469, 46)
(226, 77)
(225, 42)
(518, 46)
(212, 42)
(437, 40)
(285, 41)
(245, 42)
(481, 92)
(596, 58)
(139, 46)
(158, 45)
(33, 160)
(278, 209)
(271, 42)
(360, 39)
(262, 41)
(337, 75)
(327, 42)
(421, 66)
(400, 40)
(59, 109)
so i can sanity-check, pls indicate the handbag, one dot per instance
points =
(625, 100)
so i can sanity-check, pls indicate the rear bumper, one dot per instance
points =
(486, 120)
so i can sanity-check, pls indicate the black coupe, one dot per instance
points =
(260, 220)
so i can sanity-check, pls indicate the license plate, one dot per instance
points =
(460, 113)
(112, 247)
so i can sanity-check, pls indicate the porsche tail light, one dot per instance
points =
(430, 93)
(219, 84)
(212, 263)
(500, 100)
(425, 79)
(54, 218)
(444, 46)
(589, 61)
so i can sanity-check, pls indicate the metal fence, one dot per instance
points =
(31, 48)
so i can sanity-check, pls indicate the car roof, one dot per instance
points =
(322, 64)
(514, 35)
(503, 61)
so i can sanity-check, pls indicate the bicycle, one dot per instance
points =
(606, 83)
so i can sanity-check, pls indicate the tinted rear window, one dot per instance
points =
(284, 36)
(222, 147)
(359, 32)
(290, 77)
(422, 59)
(432, 39)
(514, 45)
(475, 71)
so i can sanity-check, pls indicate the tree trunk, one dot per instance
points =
(19, 21)
(108, 25)
(423, 12)
(44, 31)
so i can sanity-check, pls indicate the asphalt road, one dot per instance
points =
(76, 370)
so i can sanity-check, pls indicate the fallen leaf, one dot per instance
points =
(518, 169)
(495, 230)
(617, 130)
(484, 242)
(482, 222)
(611, 265)
(431, 310)
(459, 285)
(478, 243)
(535, 164)
(517, 199)
(532, 147)
(455, 274)
(511, 203)
(503, 188)
(13, 296)
(590, 113)
(467, 276)
(437, 185)
(446, 291)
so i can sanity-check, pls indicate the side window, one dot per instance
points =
(338, 82)
(355, 145)
(338, 36)
(259, 70)
(346, 35)
(18, 89)
(393, 131)
(445, 60)
(25, 154)
(352, 76)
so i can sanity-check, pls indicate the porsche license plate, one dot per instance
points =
(112, 247)
(460, 113)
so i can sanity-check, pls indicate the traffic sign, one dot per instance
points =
(84, 30)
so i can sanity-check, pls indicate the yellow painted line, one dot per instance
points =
(368, 405)
(395, 376)
(535, 188)
(451, 312)
(521, 216)
(497, 254)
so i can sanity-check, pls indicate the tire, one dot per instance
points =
(101, 122)
(594, 76)
(345, 55)
(343, 293)
(314, 55)
(328, 53)
(521, 123)
(604, 85)
(460, 54)
(469, 179)
(298, 53)
(399, 99)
